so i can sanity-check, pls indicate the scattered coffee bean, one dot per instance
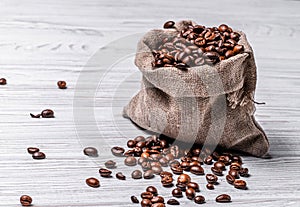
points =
(223, 198)
(32, 150)
(134, 199)
(197, 170)
(137, 174)
(177, 170)
(130, 161)
(217, 171)
(212, 179)
(173, 202)
(90, 151)
(177, 193)
(158, 205)
(139, 139)
(131, 143)
(93, 182)
(152, 190)
(147, 195)
(146, 203)
(165, 173)
(118, 151)
(169, 24)
(110, 164)
(208, 160)
(235, 166)
(35, 116)
(199, 199)
(120, 176)
(210, 186)
(234, 173)
(167, 181)
(149, 174)
(244, 172)
(38, 155)
(3, 81)
(194, 185)
(62, 84)
(184, 178)
(230, 179)
(25, 200)
(105, 173)
(240, 184)
(219, 165)
(47, 113)
(190, 193)
(157, 199)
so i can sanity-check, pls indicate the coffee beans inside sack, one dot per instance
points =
(198, 86)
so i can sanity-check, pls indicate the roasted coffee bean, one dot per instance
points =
(174, 163)
(157, 170)
(118, 151)
(169, 24)
(131, 143)
(166, 174)
(208, 160)
(190, 193)
(229, 53)
(163, 161)
(219, 165)
(210, 186)
(130, 161)
(212, 179)
(230, 179)
(47, 113)
(235, 166)
(35, 116)
(25, 200)
(225, 159)
(120, 176)
(134, 199)
(142, 160)
(194, 185)
(141, 144)
(136, 174)
(199, 199)
(185, 166)
(145, 155)
(38, 156)
(149, 174)
(215, 156)
(90, 151)
(244, 172)
(223, 198)
(105, 173)
(196, 163)
(234, 173)
(223, 28)
(216, 171)
(93, 182)
(129, 153)
(167, 181)
(32, 150)
(197, 170)
(110, 164)
(146, 203)
(177, 193)
(3, 81)
(184, 178)
(152, 190)
(157, 199)
(158, 205)
(173, 201)
(177, 170)
(62, 84)
(139, 139)
(181, 186)
(236, 159)
(146, 166)
(147, 195)
(240, 184)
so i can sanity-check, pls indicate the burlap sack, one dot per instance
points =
(205, 104)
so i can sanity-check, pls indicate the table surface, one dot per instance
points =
(43, 41)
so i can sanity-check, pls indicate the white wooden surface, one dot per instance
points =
(43, 41)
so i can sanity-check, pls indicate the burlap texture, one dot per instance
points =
(190, 105)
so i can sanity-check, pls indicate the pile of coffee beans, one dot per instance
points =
(196, 45)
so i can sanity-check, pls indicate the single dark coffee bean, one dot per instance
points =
(234, 173)
(134, 199)
(210, 186)
(146, 203)
(158, 205)
(35, 116)
(223, 198)
(225, 159)
(47, 113)
(146, 166)
(244, 172)
(105, 173)
(167, 181)
(216, 171)
(130, 161)
(118, 151)
(131, 143)
(181, 186)
(3, 81)
(164, 162)
(62, 84)
(25, 200)
(110, 164)
(38, 155)
(215, 156)
(90, 151)
(236, 159)
(32, 150)
(152, 190)
(146, 195)
(174, 163)
(194, 185)
(165, 173)
(177, 193)
(190, 193)
(230, 179)
(185, 166)
(240, 184)
(173, 201)
(129, 153)
(149, 174)
(157, 170)
(93, 182)
(141, 144)
(169, 24)
(120, 176)
(229, 53)
(139, 139)
(219, 165)
(208, 160)
(136, 174)
(197, 170)
(184, 178)
(235, 166)
(177, 170)
(157, 199)
(199, 199)
(212, 179)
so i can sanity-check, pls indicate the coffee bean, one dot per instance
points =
(237, 159)
(152, 190)
(216, 171)
(235, 166)
(229, 53)
(47, 113)
(244, 172)
(141, 144)
(197, 170)
(167, 181)
(184, 178)
(173, 202)
(165, 173)
(210, 186)
(38, 155)
(90, 151)
(157, 199)
(190, 193)
(134, 199)
(212, 179)
(118, 151)
(93, 182)
(110, 164)
(157, 170)
(185, 166)
(177, 193)
(174, 163)
(169, 24)
(139, 139)
(131, 143)
(234, 173)
(230, 179)
(158, 205)
(219, 165)
(194, 185)
(208, 160)
(149, 174)
(224, 159)
(130, 161)
(62, 84)
(3, 81)
(199, 199)
(147, 195)
(164, 161)
(35, 116)
(25, 200)
(120, 176)
(105, 173)
(146, 203)
(136, 174)
(32, 150)
(223, 198)
(177, 170)
(240, 184)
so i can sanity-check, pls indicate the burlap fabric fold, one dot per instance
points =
(208, 104)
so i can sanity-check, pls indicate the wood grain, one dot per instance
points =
(42, 42)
